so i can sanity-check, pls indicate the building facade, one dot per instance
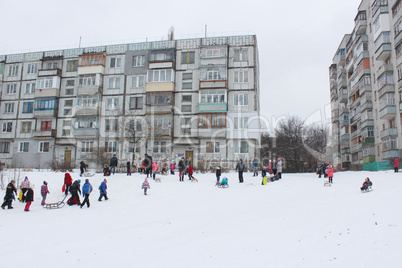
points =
(195, 98)
(366, 86)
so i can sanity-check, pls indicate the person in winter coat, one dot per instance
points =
(113, 164)
(218, 173)
(274, 167)
(8, 198)
(190, 172)
(74, 190)
(240, 168)
(396, 165)
(68, 181)
(24, 188)
(366, 184)
(330, 173)
(128, 167)
(145, 186)
(264, 172)
(164, 166)
(255, 165)
(82, 168)
(86, 191)
(29, 198)
(279, 168)
(172, 167)
(106, 170)
(270, 171)
(103, 190)
(182, 168)
(148, 165)
(44, 191)
(155, 168)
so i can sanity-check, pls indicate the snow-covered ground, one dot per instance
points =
(294, 222)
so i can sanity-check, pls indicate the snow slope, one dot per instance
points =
(294, 222)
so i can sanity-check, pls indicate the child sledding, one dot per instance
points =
(223, 184)
(367, 185)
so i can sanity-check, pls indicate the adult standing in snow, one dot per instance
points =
(8, 198)
(240, 168)
(218, 174)
(396, 164)
(148, 165)
(68, 181)
(255, 165)
(74, 190)
(82, 168)
(128, 167)
(270, 171)
(44, 191)
(274, 167)
(86, 191)
(279, 168)
(24, 188)
(103, 190)
(145, 186)
(113, 164)
(29, 198)
(182, 168)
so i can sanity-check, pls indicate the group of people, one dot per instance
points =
(273, 168)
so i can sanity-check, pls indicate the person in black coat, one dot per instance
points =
(106, 170)
(82, 168)
(218, 174)
(29, 198)
(182, 168)
(74, 190)
(113, 164)
(8, 198)
(148, 165)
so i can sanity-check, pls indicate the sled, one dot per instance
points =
(194, 179)
(20, 195)
(327, 184)
(221, 185)
(368, 189)
(87, 174)
(158, 179)
(264, 180)
(59, 204)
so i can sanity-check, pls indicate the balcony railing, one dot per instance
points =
(391, 154)
(389, 132)
(388, 112)
(86, 132)
(44, 133)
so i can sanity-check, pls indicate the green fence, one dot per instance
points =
(376, 166)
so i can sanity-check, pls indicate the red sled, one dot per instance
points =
(73, 203)
(63, 188)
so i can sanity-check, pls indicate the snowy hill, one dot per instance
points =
(293, 222)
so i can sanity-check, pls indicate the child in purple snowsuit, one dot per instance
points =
(44, 191)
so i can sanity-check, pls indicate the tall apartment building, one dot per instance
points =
(366, 86)
(196, 98)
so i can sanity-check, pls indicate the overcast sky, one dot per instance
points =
(296, 39)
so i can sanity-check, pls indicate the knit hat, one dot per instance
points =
(45, 182)
(86, 180)
(128, 160)
(79, 181)
(105, 180)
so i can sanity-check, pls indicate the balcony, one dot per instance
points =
(332, 71)
(87, 111)
(366, 105)
(388, 112)
(213, 61)
(368, 141)
(159, 109)
(161, 65)
(345, 144)
(335, 119)
(389, 132)
(47, 92)
(89, 90)
(45, 113)
(159, 87)
(50, 72)
(86, 132)
(343, 97)
(399, 84)
(213, 84)
(360, 26)
(367, 123)
(44, 133)
(91, 69)
(356, 148)
(365, 88)
(391, 154)
(333, 84)
(398, 38)
(385, 68)
(383, 52)
(212, 108)
(388, 88)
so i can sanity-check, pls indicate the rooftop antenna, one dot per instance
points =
(79, 46)
(171, 34)
(206, 27)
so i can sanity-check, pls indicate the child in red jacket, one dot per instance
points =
(190, 172)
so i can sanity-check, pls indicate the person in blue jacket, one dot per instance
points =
(255, 165)
(103, 190)
(86, 191)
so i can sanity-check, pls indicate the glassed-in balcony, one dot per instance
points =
(383, 46)
(388, 112)
(390, 132)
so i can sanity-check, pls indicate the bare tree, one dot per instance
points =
(315, 141)
(99, 155)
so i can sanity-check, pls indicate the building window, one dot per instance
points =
(240, 99)
(87, 146)
(11, 89)
(240, 76)
(26, 127)
(70, 83)
(211, 53)
(7, 127)
(185, 126)
(161, 56)
(136, 103)
(115, 62)
(240, 54)
(72, 65)
(187, 76)
(240, 122)
(111, 125)
(213, 96)
(13, 70)
(213, 147)
(87, 80)
(46, 125)
(85, 122)
(24, 147)
(94, 59)
(32, 68)
(138, 61)
(27, 107)
(29, 88)
(69, 91)
(4, 147)
(186, 108)
(44, 147)
(131, 147)
(241, 147)
(112, 104)
(68, 103)
(110, 146)
(160, 76)
(52, 65)
(159, 147)
(66, 132)
(87, 101)
(45, 104)
(370, 132)
(187, 85)
(186, 98)
(187, 57)
(9, 108)
(114, 82)
(66, 123)
(159, 98)
(138, 81)
(212, 120)
(213, 75)
(44, 82)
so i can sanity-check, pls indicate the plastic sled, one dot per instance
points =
(194, 179)
(327, 184)
(368, 189)
(222, 185)
(87, 174)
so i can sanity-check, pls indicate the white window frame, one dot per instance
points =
(23, 147)
(240, 54)
(138, 81)
(240, 77)
(11, 89)
(162, 75)
(32, 68)
(44, 82)
(114, 82)
(213, 75)
(115, 62)
(7, 127)
(138, 61)
(111, 146)
(44, 147)
(213, 53)
(238, 147)
(240, 99)
(87, 146)
(240, 123)
(30, 88)
(112, 104)
(87, 80)
(9, 108)
(216, 147)
(13, 70)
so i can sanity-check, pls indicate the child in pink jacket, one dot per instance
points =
(146, 186)
(155, 168)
